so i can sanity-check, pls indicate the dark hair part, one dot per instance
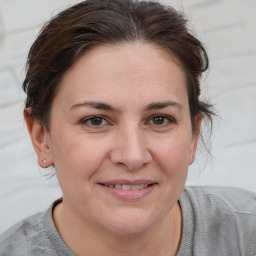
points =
(97, 22)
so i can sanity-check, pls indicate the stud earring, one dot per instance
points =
(44, 161)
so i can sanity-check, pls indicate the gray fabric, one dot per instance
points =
(216, 221)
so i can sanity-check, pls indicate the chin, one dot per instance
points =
(131, 223)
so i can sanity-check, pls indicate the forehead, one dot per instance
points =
(128, 56)
(143, 71)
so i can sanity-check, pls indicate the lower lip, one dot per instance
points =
(129, 194)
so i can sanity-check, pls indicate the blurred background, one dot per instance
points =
(228, 30)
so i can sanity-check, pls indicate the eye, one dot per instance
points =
(94, 121)
(161, 120)
(97, 120)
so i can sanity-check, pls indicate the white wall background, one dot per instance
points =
(228, 29)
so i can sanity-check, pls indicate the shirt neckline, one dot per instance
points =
(185, 247)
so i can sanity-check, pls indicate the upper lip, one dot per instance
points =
(128, 182)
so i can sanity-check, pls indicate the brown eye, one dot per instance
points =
(158, 120)
(97, 120)
(161, 120)
(94, 121)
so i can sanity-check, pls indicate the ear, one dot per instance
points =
(40, 138)
(195, 139)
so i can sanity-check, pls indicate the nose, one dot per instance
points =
(130, 149)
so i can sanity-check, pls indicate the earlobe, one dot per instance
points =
(195, 140)
(40, 139)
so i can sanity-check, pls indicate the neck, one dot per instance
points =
(162, 239)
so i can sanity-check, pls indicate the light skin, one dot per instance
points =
(121, 115)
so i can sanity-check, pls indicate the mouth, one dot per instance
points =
(129, 190)
(127, 186)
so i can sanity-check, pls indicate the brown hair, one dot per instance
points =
(95, 22)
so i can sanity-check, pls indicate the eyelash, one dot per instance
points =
(167, 121)
(167, 118)
(85, 121)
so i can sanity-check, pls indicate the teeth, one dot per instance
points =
(128, 187)
(137, 187)
(142, 186)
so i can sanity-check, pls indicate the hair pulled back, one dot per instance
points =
(97, 22)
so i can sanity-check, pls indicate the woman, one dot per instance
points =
(113, 104)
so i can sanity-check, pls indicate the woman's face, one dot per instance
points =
(120, 136)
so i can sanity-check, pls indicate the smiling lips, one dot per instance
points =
(128, 187)
(127, 190)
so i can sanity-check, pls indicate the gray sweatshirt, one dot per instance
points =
(216, 221)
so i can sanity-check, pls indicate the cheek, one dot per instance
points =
(76, 158)
(174, 155)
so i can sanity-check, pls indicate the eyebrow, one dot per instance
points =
(161, 105)
(107, 107)
(97, 105)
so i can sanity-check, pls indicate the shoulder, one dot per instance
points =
(25, 237)
(223, 218)
(229, 199)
